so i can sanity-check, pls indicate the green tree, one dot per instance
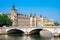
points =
(5, 20)
(8, 21)
(48, 24)
(2, 21)
(56, 23)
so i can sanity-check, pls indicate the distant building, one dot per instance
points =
(25, 20)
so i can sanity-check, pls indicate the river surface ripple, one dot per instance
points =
(32, 37)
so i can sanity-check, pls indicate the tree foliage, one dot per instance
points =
(48, 24)
(5, 20)
(56, 23)
(2, 20)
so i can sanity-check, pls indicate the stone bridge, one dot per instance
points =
(31, 30)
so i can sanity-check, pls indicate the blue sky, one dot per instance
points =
(48, 8)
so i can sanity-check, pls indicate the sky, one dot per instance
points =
(48, 8)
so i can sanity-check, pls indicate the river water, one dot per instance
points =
(32, 37)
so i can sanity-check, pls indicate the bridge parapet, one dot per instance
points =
(28, 29)
(32, 27)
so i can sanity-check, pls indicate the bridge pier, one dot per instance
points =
(3, 31)
(56, 34)
(26, 33)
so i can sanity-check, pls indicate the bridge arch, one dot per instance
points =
(31, 30)
(35, 31)
(15, 31)
(46, 33)
(41, 31)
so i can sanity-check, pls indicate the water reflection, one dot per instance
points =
(37, 37)
(32, 37)
(56, 38)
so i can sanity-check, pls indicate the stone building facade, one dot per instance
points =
(25, 20)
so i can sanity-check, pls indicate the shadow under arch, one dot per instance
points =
(15, 32)
(35, 31)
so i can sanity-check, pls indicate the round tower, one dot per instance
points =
(14, 16)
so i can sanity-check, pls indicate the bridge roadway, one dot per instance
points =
(29, 30)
